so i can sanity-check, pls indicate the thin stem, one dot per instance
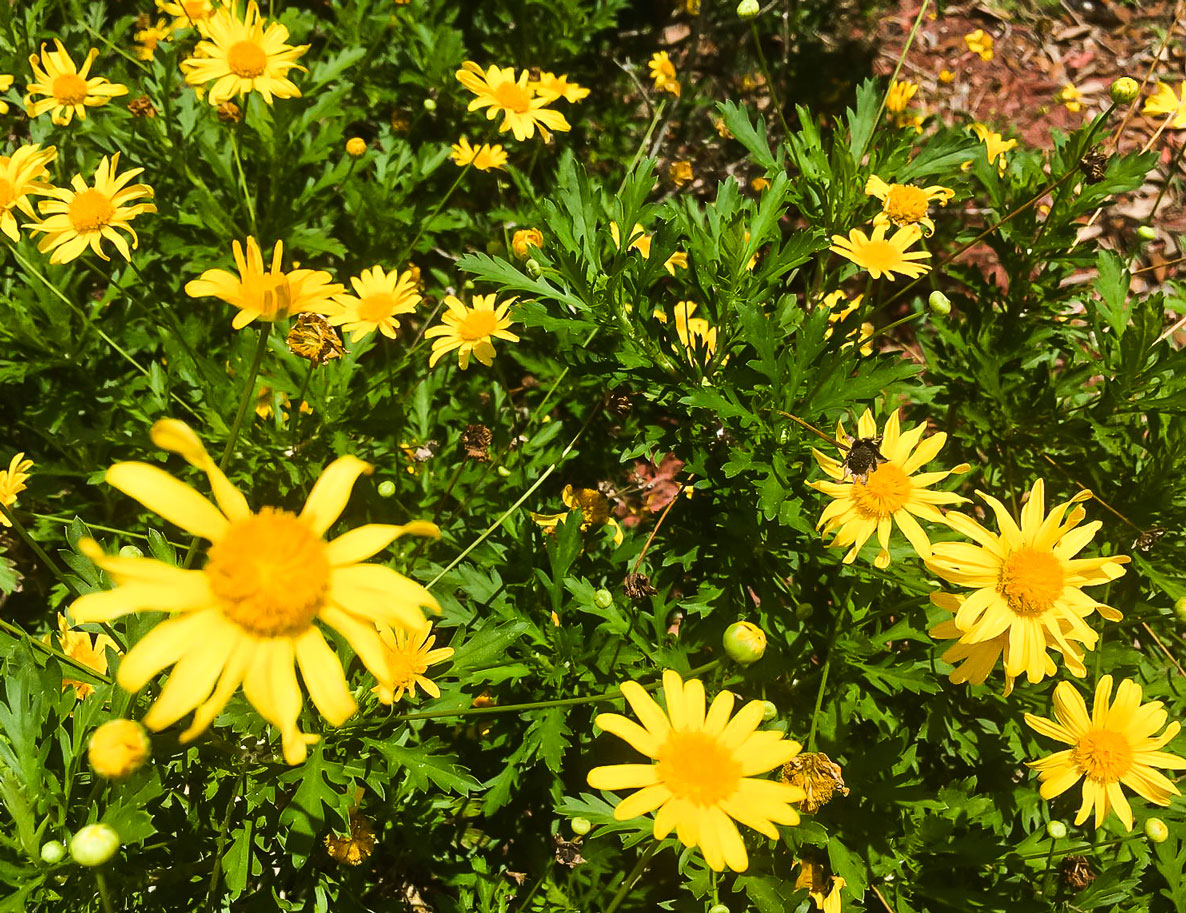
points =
(38, 550)
(1164, 649)
(56, 654)
(1049, 863)
(1169, 176)
(299, 402)
(641, 146)
(823, 680)
(922, 10)
(635, 874)
(261, 347)
(247, 198)
(104, 893)
(651, 538)
(222, 837)
(424, 223)
(786, 130)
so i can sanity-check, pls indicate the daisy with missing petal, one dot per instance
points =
(905, 204)
(250, 615)
(501, 92)
(663, 73)
(1117, 745)
(471, 330)
(22, 174)
(408, 657)
(77, 217)
(380, 298)
(147, 39)
(484, 157)
(12, 482)
(899, 95)
(242, 55)
(1028, 583)
(995, 145)
(881, 256)
(550, 87)
(272, 295)
(68, 89)
(704, 771)
(889, 495)
(88, 650)
(1165, 101)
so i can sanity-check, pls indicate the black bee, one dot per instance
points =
(863, 457)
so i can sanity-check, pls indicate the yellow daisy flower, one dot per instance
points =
(1117, 745)
(550, 87)
(889, 494)
(905, 204)
(380, 297)
(663, 73)
(12, 482)
(696, 335)
(88, 649)
(995, 145)
(471, 331)
(594, 508)
(5, 84)
(704, 773)
(1165, 101)
(187, 13)
(524, 239)
(979, 42)
(77, 217)
(823, 889)
(272, 295)
(147, 39)
(882, 256)
(1027, 582)
(499, 90)
(484, 157)
(408, 657)
(242, 55)
(639, 239)
(68, 89)
(1071, 98)
(680, 173)
(899, 95)
(840, 307)
(22, 174)
(250, 613)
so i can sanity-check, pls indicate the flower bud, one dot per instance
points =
(718, 908)
(52, 852)
(1124, 90)
(94, 844)
(503, 471)
(118, 748)
(386, 488)
(1180, 609)
(747, 9)
(804, 611)
(430, 104)
(769, 711)
(534, 270)
(1056, 829)
(603, 599)
(356, 146)
(940, 304)
(744, 642)
(1156, 830)
(1147, 233)
(130, 551)
(581, 826)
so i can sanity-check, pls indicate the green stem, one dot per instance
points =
(635, 874)
(1085, 847)
(786, 130)
(243, 180)
(1169, 176)
(823, 681)
(424, 223)
(222, 838)
(104, 893)
(638, 154)
(37, 550)
(922, 11)
(1049, 862)
(56, 654)
(261, 347)
(297, 403)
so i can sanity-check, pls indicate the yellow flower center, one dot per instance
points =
(70, 89)
(7, 193)
(1031, 581)
(477, 325)
(885, 490)
(374, 308)
(270, 574)
(1103, 755)
(512, 98)
(404, 665)
(247, 59)
(880, 255)
(697, 767)
(90, 209)
(905, 204)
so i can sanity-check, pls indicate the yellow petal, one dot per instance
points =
(172, 499)
(322, 671)
(332, 490)
(364, 541)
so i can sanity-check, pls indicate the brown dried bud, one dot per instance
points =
(485, 699)
(1076, 872)
(475, 440)
(312, 338)
(1094, 166)
(638, 587)
(619, 403)
(818, 776)
(143, 21)
(141, 106)
(230, 113)
(568, 852)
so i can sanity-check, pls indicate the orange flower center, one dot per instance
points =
(1031, 581)
(7, 193)
(1103, 755)
(70, 89)
(247, 59)
(477, 325)
(512, 98)
(885, 490)
(270, 574)
(374, 308)
(905, 205)
(90, 209)
(697, 767)
(403, 665)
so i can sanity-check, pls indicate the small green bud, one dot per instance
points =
(52, 852)
(747, 9)
(718, 908)
(1180, 609)
(1056, 829)
(430, 104)
(744, 642)
(94, 844)
(769, 711)
(1124, 90)
(603, 599)
(503, 471)
(386, 488)
(130, 551)
(940, 304)
(580, 826)
(1147, 233)
(534, 270)
(804, 611)
(1156, 830)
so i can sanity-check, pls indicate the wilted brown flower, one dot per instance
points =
(568, 852)
(619, 403)
(1077, 872)
(1094, 166)
(818, 776)
(638, 587)
(356, 847)
(141, 106)
(230, 113)
(312, 338)
(475, 441)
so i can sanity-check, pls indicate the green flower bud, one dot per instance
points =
(747, 9)
(503, 471)
(718, 908)
(94, 844)
(1056, 829)
(804, 611)
(1147, 233)
(603, 599)
(534, 270)
(130, 551)
(1180, 609)
(769, 711)
(580, 826)
(744, 642)
(1156, 830)
(386, 488)
(52, 852)
(430, 104)
(940, 304)
(1124, 90)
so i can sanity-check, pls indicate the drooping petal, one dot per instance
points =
(331, 491)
